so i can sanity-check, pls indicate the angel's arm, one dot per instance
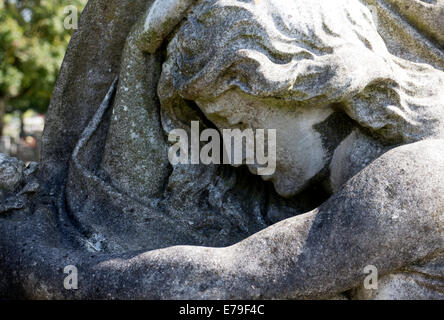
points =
(389, 215)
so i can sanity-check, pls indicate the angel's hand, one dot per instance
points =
(159, 21)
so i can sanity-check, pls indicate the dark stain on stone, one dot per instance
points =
(334, 130)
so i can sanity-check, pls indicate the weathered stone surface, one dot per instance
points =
(301, 257)
(91, 63)
(11, 173)
(354, 89)
(18, 183)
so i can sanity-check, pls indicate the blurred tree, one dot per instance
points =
(33, 41)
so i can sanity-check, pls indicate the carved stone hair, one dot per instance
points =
(302, 53)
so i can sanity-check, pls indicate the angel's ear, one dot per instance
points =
(160, 21)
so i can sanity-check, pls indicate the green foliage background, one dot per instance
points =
(33, 41)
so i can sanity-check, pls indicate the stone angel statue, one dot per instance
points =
(355, 92)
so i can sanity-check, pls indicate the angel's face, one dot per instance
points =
(300, 148)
